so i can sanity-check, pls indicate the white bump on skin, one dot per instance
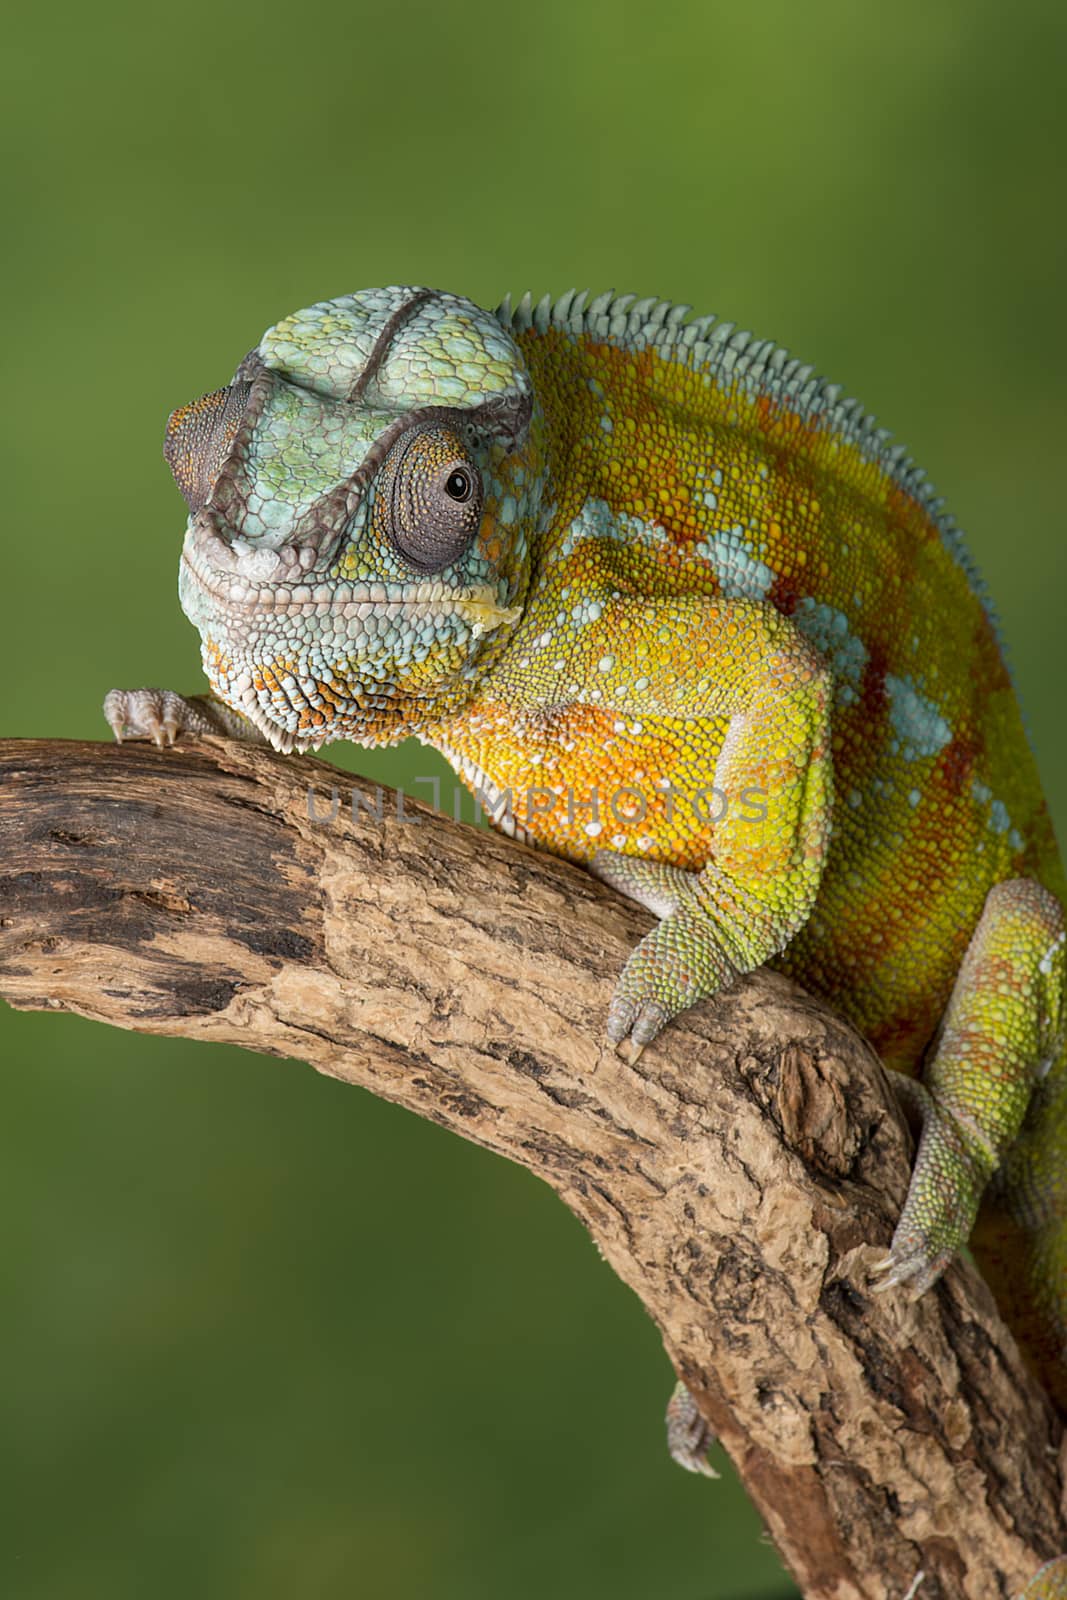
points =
(1044, 966)
(922, 728)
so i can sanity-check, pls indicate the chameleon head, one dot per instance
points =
(361, 501)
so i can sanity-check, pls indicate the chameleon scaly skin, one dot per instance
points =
(679, 612)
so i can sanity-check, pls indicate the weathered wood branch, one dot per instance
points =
(741, 1177)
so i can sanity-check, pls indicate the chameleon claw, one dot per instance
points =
(697, 1461)
(887, 1283)
(911, 1268)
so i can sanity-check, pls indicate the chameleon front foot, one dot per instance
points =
(674, 966)
(156, 714)
(161, 715)
(677, 964)
(688, 1436)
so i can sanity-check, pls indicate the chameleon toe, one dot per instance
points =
(912, 1267)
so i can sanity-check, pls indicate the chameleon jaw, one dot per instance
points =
(237, 581)
(288, 655)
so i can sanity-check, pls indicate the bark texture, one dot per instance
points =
(741, 1177)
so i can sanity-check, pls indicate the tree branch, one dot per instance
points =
(741, 1177)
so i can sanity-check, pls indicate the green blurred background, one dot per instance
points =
(262, 1335)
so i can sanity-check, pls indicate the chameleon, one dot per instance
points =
(675, 609)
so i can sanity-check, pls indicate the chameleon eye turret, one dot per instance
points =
(429, 496)
(198, 440)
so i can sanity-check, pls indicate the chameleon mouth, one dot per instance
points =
(244, 579)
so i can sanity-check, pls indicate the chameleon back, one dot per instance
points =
(690, 458)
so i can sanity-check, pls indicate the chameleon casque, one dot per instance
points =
(717, 639)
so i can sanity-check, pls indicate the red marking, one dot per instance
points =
(956, 763)
(873, 696)
(902, 1041)
(784, 594)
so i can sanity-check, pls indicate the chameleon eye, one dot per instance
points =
(199, 437)
(459, 485)
(429, 497)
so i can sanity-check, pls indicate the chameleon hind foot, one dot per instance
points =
(1002, 1027)
(688, 1436)
(942, 1201)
